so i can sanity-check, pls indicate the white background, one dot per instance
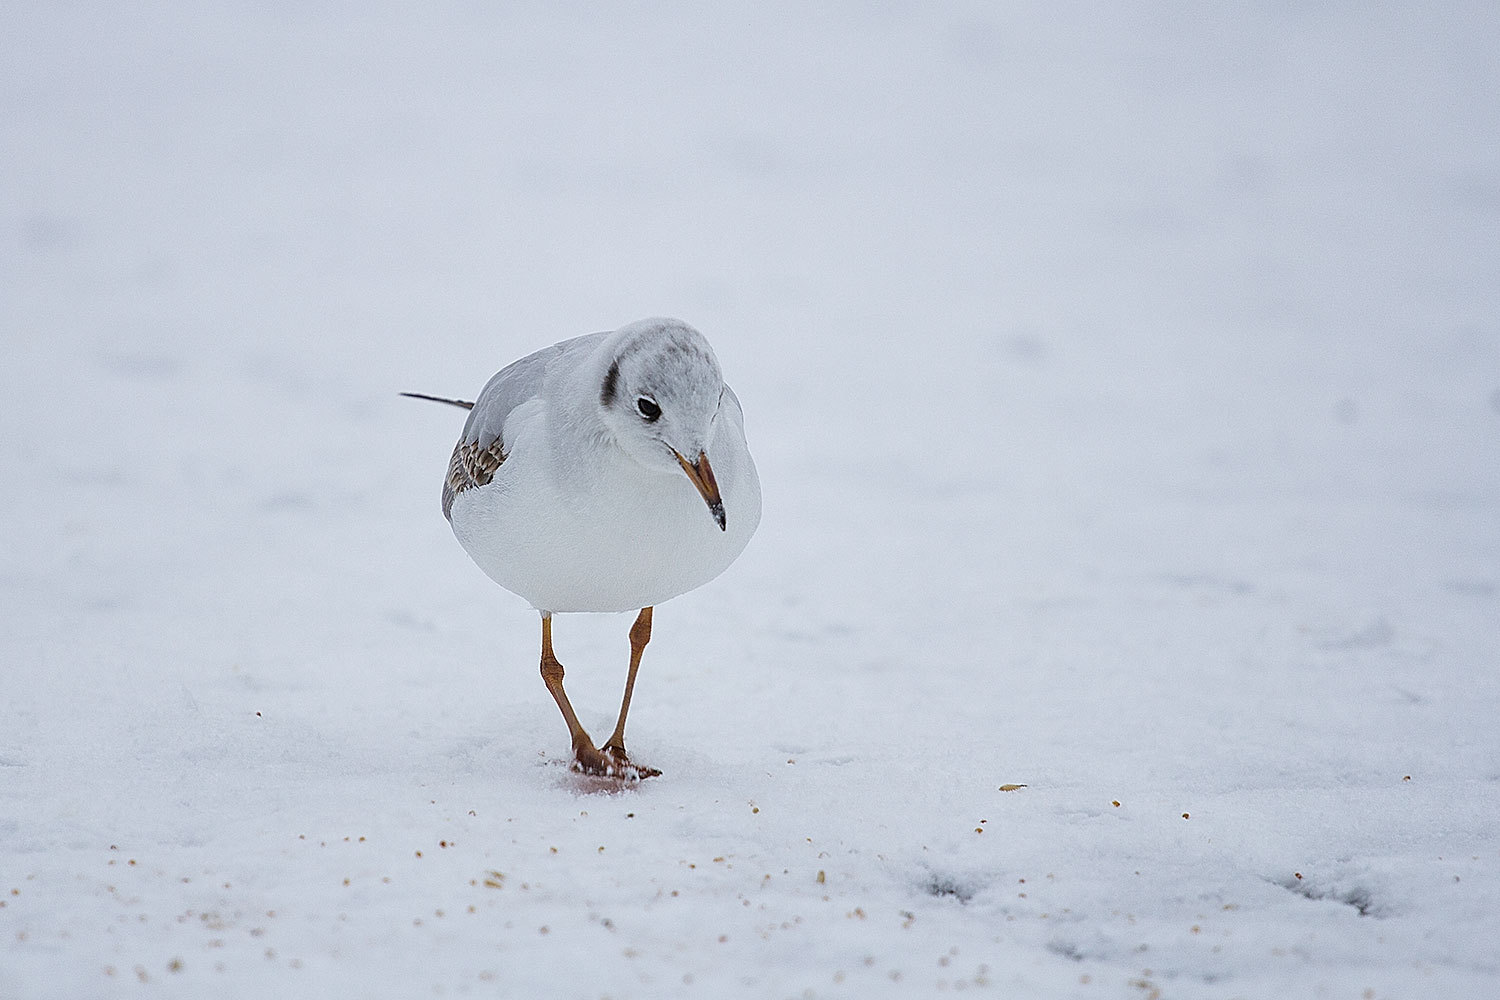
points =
(1126, 393)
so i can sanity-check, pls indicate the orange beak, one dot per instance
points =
(702, 476)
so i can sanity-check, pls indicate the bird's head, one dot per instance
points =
(659, 396)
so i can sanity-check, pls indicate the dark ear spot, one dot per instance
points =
(611, 381)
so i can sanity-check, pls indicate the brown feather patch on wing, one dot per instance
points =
(470, 466)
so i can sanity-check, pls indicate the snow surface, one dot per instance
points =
(1126, 389)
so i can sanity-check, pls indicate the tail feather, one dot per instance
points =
(466, 404)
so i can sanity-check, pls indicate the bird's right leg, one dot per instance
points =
(586, 757)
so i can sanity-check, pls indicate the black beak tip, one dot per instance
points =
(717, 510)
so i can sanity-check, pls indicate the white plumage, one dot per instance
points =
(590, 509)
(605, 473)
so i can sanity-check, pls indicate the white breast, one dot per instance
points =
(604, 533)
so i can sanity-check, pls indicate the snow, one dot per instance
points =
(1125, 386)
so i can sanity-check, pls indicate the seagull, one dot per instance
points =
(605, 473)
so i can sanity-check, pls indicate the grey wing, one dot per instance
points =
(482, 445)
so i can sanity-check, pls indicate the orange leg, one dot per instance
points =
(640, 634)
(585, 757)
(552, 676)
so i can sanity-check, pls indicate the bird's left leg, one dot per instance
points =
(640, 634)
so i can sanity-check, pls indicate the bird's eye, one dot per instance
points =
(647, 408)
